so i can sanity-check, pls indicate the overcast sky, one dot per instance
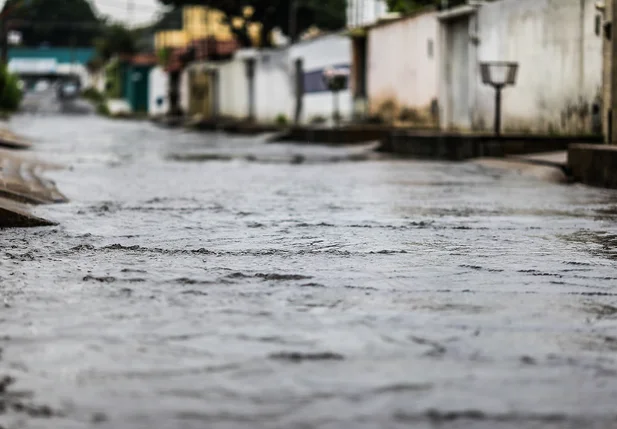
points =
(144, 10)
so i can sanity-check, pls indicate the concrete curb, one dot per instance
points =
(20, 184)
(10, 140)
(544, 172)
(15, 215)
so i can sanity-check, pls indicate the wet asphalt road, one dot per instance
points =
(205, 281)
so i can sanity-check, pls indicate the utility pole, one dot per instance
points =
(130, 10)
(4, 40)
(293, 16)
(612, 138)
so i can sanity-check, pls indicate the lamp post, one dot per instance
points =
(336, 80)
(498, 74)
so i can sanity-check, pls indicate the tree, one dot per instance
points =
(54, 22)
(272, 14)
(116, 39)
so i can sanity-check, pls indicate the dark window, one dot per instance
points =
(313, 80)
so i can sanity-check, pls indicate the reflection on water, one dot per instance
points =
(202, 280)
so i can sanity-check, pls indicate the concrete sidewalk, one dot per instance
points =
(10, 140)
(548, 166)
(22, 183)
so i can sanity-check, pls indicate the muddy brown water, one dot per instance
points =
(209, 281)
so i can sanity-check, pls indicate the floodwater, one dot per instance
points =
(208, 281)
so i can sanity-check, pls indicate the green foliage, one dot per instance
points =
(55, 22)
(327, 15)
(281, 119)
(116, 39)
(102, 109)
(318, 120)
(113, 86)
(11, 95)
(93, 95)
(164, 55)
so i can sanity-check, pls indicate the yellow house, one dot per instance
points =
(200, 22)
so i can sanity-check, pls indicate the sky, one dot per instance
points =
(144, 11)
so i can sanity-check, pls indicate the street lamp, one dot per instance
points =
(336, 81)
(498, 74)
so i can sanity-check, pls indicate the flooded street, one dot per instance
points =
(207, 281)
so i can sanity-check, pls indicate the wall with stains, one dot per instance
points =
(560, 57)
(159, 89)
(403, 69)
(233, 92)
(607, 63)
(273, 85)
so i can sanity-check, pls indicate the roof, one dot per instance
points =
(59, 54)
(362, 30)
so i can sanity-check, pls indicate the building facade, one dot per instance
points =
(402, 70)
(199, 23)
(558, 48)
(361, 13)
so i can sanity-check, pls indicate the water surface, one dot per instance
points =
(203, 280)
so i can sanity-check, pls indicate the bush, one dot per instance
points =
(102, 109)
(318, 120)
(11, 95)
(409, 114)
(93, 95)
(281, 119)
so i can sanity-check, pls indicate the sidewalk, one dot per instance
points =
(11, 140)
(21, 183)
(547, 166)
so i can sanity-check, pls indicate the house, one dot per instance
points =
(558, 48)
(158, 100)
(204, 35)
(51, 63)
(395, 70)
(361, 13)
(605, 16)
(199, 23)
(128, 82)
(270, 85)
(313, 102)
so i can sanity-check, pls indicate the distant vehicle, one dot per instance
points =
(41, 86)
(68, 90)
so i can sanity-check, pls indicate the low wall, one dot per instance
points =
(458, 147)
(594, 165)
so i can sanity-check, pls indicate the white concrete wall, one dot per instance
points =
(273, 85)
(184, 90)
(365, 12)
(403, 71)
(318, 54)
(560, 58)
(159, 87)
(233, 89)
